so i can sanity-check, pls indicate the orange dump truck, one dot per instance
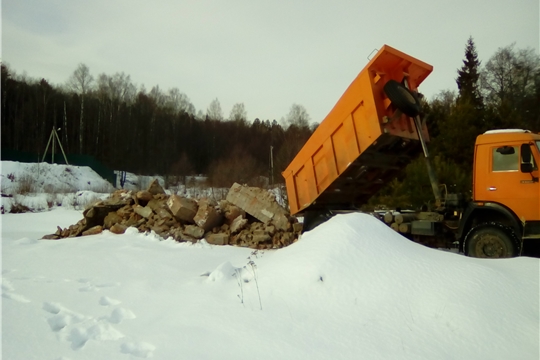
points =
(375, 130)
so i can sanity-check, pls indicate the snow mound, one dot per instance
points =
(42, 186)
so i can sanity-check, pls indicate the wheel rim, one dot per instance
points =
(491, 246)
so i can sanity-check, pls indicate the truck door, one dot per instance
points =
(509, 186)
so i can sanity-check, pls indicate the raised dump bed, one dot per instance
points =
(363, 143)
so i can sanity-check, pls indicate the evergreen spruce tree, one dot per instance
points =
(468, 78)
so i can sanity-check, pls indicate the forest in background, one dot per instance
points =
(160, 132)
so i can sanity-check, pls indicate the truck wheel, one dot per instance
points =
(491, 240)
(402, 98)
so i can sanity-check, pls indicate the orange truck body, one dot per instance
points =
(363, 142)
(497, 178)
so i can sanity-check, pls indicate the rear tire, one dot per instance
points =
(402, 98)
(491, 240)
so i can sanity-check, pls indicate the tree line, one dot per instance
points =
(161, 132)
(503, 93)
(147, 132)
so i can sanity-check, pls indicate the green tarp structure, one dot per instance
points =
(73, 159)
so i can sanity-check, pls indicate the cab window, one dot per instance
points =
(505, 158)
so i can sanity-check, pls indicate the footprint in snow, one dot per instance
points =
(16, 297)
(106, 301)
(89, 287)
(120, 314)
(62, 317)
(6, 285)
(138, 349)
(80, 335)
(8, 292)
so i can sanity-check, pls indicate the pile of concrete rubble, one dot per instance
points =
(249, 217)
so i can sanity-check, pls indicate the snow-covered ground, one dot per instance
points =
(350, 289)
(40, 187)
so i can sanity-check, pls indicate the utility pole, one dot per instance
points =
(271, 165)
(53, 137)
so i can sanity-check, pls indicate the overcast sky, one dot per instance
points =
(265, 54)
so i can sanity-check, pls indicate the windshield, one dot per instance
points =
(538, 144)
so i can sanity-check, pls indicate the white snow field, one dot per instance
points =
(350, 289)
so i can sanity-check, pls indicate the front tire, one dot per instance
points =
(491, 240)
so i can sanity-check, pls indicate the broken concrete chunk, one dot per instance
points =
(260, 238)
(238, 224)
(155, 188)
(259, 203)
(93, 230)
(207, 216)
(297, 227)
(51, 237)
(118, 229)
(233, 212)
(163, 213)
(217, 239)
(145, 211)
(144, 196)
(183, 209)
(111, 219)
(194, 231)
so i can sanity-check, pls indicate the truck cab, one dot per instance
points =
(506, 194)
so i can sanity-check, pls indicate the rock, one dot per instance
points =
(96, 213)
(259, 203)
(161, 230)
(155, 188)
(238, 224)
(217, 239)
(111, 219)
(93, 230)
(207, 216)
(163, 213)
(145, 211)
(183, 209)
(51, 237)
(155, 204)
(233, 212)
(297, 227)
(260, 238)
(125, 211)
(144, 196)
(118, 229)
(194, 231)
(270, 230)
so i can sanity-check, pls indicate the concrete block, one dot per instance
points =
(259, 203)
(155, 188)
(118, 229)
(207, 216)
(217, 239)
(144, 211)
(194, 231)
(183, 209)
(93, 230)
(238, 224)
(111, 219)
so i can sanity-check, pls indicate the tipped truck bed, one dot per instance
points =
(363, 142)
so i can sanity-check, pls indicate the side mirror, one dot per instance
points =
(526, 157)
(526, 153)
(526, 168)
